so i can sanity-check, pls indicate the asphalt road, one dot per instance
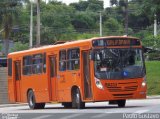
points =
(142, 109)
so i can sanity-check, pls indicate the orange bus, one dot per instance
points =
(72, 73)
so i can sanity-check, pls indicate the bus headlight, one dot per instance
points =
(144, 82)
(98, 83)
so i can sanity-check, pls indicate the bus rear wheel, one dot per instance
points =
(76, 100)
(121, 103)
(32, 101)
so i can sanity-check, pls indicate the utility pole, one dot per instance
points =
(38, 23)
(100, 23)
(31, 26)
(126, 17)
(155, 25)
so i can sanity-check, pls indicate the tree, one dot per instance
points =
(83, 21)
(114, 2)
(150, 8)
(80, 6)
(91, 5)
(113, 27)
(8, 12)
(56, 21)
(18, 46)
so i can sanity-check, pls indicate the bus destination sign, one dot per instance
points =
(116, 42)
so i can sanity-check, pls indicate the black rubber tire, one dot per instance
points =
(76, 100)
(67, 104)
(32, 101)
(121, 103)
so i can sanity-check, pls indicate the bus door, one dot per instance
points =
(53, 74)
(17, 74)
(86, 75)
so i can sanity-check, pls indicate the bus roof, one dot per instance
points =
(68, 43)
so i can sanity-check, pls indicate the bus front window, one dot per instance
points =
(118, 63)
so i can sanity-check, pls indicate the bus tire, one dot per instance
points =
(76, 100)
(121, 103)
(67, 104)
(32, 101)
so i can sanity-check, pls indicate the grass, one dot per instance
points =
(153, 77)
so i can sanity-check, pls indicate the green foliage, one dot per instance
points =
(81, 20)
(153, 80)
(90, 5)
(113, 27)
(18, 46)
(151, 7)
(56, 21)
(8, 14)
(151, 41)
(87, 35)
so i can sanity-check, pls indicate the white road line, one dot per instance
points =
(42, 117)
(71, 116)
(99, 116)
(141, 111)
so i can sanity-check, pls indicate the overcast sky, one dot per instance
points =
(106, 2)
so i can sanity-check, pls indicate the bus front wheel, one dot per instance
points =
(121, 103)
(76, 99)
(32, 102)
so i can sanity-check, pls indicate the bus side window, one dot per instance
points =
(27, 65)
(9, 67)
(73, 59)
(37, 64)
(62, 62)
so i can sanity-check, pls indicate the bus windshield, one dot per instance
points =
(114, 63)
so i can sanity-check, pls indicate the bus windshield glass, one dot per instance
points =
(114, 63)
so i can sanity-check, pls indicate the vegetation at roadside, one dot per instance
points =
(79, 20)
(153, 77)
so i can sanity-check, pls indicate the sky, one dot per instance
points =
(106, 2)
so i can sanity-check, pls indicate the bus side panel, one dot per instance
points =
(39, 85)
(41, 90)
(72, 78)
(63, 87)
(11, 93)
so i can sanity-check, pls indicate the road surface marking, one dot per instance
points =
(42, 117)
(99, 116)
(71, 116)
(141, 111)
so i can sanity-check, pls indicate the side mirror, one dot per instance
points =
(144, 49)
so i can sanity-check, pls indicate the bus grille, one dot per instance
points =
(123, 87)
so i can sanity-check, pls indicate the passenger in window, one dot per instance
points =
(62, 66)
(76, 64)
(38, 67)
